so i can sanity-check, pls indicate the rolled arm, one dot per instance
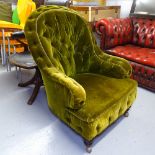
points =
(109, 65)
(101, 25)
(77, 92)
(100, 28)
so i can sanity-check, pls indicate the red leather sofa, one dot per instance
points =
(133, 39)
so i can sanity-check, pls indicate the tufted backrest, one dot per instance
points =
(144, 32)
(114, 31)
(59, 37)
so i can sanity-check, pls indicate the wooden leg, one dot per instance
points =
(37, 81)
(126, 114)
(28, 82)
(88, 145)
(34, 94)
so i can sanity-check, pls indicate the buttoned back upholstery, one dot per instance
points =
(117, 31)
(138, 31)
(60, 38)
(144, 32)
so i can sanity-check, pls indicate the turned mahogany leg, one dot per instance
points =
(34, 94)
(88, 145)
(31, 81)
(37, 81)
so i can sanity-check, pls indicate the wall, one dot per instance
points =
(125, 6)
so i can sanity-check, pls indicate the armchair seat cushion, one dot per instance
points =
(107, 99)
(142, 55)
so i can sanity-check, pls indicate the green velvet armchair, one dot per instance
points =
(86, 88)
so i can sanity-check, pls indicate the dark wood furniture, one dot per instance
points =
(25, 60)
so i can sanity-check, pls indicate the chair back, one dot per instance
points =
(59, 37)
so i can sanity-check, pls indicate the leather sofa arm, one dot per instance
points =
(109, 65)
(100, 26)
(76, 91)
(114, 32)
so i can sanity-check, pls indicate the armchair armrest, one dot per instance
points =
(114, 32)
(109, 65)
(77, 93)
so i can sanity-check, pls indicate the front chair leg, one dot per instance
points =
(126, 114)
(88, 145)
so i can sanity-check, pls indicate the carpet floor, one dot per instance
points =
(34, 130)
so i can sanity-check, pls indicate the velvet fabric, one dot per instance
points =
(86, 88)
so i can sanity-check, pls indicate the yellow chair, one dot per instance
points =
(24, 9)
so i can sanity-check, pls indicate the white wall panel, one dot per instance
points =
(125, 6)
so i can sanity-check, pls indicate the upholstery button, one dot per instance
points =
(98, 128)
(143, 30)
(68, 120)
(149, 78)
(115, 29)
(128, 102)
(139, 70)
(120, 111)
(79, 128)
(152, 30)
(34, 42)
(29, 28)
(110, 119)
(153, 76)
(145, 72)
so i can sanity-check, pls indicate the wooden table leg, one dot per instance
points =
(37, 81)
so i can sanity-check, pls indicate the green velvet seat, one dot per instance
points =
(86, 88)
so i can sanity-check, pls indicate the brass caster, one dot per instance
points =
(126, 114)
(88, 149)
